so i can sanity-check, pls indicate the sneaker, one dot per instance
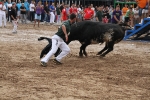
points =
(43, 64)
(14, 32)
(57, 62)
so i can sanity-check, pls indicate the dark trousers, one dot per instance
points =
(9, 16)
(31, 16)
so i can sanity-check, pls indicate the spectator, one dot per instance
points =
(136, 15)
(27, 6)
(46, 11)
(23, 13)
(105, 19)
(9, 5)
(42, 14)
(3, 14)
(73, 9)
(18, 5)
(64, 14)
(5, 3)
(67, 10)
(79, 12)
(99, 14)
(62, 7)
(88, 13)
(93, 19)
(124, 10)
(52, 13)
(129, 17)
(141, 4)
(58, 14)
(32, 7)
(13, 15)
(116, 15)
(38, 11)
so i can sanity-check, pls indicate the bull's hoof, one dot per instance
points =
(98, 53)
(85, 55)
(80, 55)
(102, 56)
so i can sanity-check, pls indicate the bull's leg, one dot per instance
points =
(83, 47)
(110, 46)
(104, 49)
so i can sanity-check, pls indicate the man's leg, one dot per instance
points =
(65, 50)
(21, 16)
(25, 18)
(55, 46)
(4, 18)
(14, 28)
(141, 11)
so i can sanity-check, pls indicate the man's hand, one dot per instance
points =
(66, 37)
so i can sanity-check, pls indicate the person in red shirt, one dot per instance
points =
(88, 13)
(73, 9)
(64, 14)
(105, 19)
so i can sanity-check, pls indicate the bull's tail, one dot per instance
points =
(42, 38)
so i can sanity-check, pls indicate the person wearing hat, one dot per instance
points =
(2, 14)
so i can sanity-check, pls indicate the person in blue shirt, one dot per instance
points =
(26, 4)
(52, 13)
(18, 5)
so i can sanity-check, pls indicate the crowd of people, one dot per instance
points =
(38, 12)
(67, 15)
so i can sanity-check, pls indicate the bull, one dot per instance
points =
(88, 32)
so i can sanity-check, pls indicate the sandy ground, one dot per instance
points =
(123, 74)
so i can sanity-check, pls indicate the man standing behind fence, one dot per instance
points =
(3, 14)
(52, 13)
(23, 13)
(32, 7)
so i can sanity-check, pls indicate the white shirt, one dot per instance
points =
(0, 6)
(3, 7)
(9, 5)
(79, 10)
(136, 13)
(32, 5)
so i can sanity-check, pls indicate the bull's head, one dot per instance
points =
(125, 26)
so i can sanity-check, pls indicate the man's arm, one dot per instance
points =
(116, 18)
(65, 32)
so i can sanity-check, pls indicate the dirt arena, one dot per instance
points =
(124, 74)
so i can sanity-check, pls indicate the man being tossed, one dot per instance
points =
(58, 41)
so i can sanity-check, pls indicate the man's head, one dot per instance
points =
(73, 4)
(19, 1)
(130, 8)
(117, 8)
(73, 18)
(126, 5)
(22, 4)
(13, 5)
(53, 4)
(89, 6)
(100, 8)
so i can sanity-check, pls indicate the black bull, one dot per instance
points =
(88, 32)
